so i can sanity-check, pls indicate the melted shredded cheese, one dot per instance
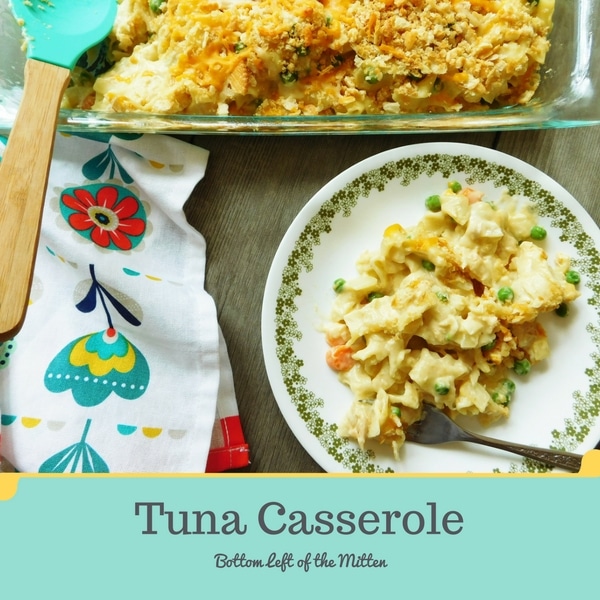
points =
(284, 57)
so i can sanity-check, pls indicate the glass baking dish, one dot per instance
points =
(569, 94)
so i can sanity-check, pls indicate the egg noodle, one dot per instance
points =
(311, 57)
(445, 313)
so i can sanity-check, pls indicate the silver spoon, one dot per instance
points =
(437, 428)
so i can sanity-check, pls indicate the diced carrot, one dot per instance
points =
(472, 195)
(339, 358)
(88, 101)
(336, 341)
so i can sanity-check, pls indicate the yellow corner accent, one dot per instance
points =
(151, 432)
(156, 165)
(30, 422)
(8, 485)
(590, 465)
(152, 278)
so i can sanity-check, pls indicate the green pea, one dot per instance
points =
(433, 203)
(489, 346)
(288, 76)
(395, 410)
(372, 76)
(373, 295)
(505, 294)
(522, 367)
(238, 47)
(572, 277)
(455, 186)
(338, 285)
(504, 392)
(427, 265)
(155, 5)
(442, 296)
(537, 233)
(441, 388)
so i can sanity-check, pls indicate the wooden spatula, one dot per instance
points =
(57, 33)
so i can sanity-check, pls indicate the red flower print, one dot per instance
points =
(108, 215)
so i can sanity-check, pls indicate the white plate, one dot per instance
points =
(556, 405)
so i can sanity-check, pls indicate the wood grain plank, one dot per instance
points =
(570, 156)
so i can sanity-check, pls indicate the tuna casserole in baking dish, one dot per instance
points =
(317, 57)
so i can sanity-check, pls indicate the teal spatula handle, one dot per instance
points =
(23, 181)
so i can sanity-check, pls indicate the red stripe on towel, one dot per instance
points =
(234, 453)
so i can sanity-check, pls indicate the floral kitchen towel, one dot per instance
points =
(120, 366)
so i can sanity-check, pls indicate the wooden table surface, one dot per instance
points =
(252, 191)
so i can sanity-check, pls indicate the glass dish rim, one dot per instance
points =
(580, 108)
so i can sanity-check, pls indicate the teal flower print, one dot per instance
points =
(77, 458)
(96, 365)
(6, 350)
(105, 161)
(108, 215)
(100, 292)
